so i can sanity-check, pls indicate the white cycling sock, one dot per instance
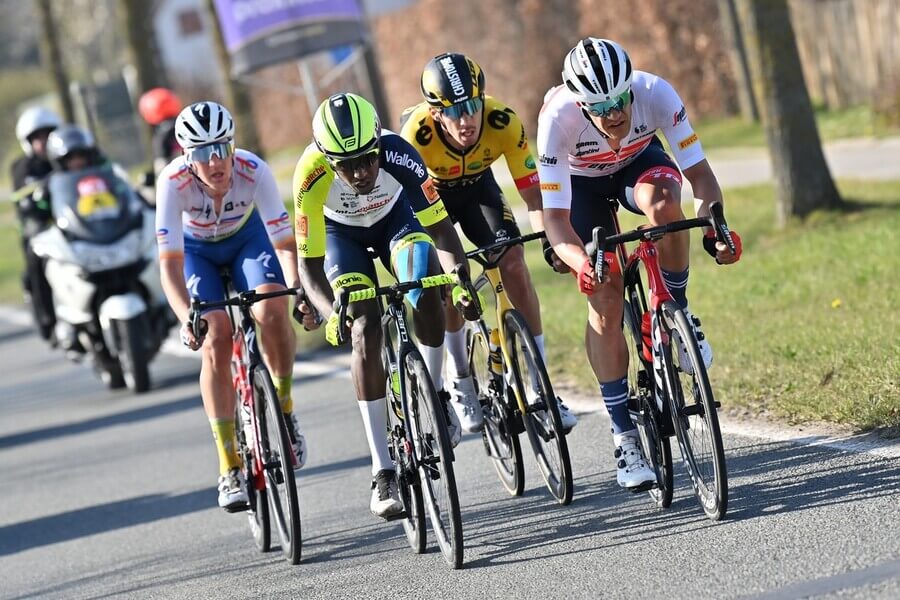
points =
(434, 360)
(457, 361)
(374, 418)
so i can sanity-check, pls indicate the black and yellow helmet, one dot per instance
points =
(346, 126)
(451, 78)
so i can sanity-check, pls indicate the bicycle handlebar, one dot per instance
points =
(480, 255)
(600, 242)
(243, 299)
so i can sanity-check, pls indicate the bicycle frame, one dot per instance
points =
(244, 337)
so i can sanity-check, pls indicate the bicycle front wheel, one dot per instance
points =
(258, 515)
(541, 417)
(434, 456)
(275, 445)
(500, 441)
(694, 414)
(408, 483)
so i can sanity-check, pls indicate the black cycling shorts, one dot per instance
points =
(481, 211)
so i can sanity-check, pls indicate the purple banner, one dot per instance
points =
(263, 32)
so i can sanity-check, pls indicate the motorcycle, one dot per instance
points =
(100, 261)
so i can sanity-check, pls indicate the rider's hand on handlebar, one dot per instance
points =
(305, 314)
(189, 339)
(331, 330)
(586, 278)
(553, 260)
(720, 251)
(465, 304)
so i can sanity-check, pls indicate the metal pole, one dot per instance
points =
(309, 86)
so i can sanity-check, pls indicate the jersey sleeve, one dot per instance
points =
(312, 179)
(405, 164)
(271, 208)
(518, 153)
(671, 118)
(169, 232)
(553, 164)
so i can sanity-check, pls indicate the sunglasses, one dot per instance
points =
(469, 107)
(606, 108)
(363, 161)
(203, 153)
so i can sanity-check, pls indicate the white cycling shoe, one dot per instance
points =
(233, 491)
(632, 470)
(298, 440)
(684, 359)
(464, 401)
(385, 501)
(454, 429)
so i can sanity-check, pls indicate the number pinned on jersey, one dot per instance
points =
(431, 194)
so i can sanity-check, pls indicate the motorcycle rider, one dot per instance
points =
(32, 130)
(159, 107)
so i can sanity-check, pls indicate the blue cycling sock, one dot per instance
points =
(615, 397)
(677, 281)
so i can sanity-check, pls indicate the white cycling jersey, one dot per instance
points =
(184, 209)
(569, 143)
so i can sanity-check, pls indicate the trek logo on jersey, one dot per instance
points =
(550, 187)
(680, 116)
(312, 178)
(547, 160)
(405, 160)
(429, 191)
(456, 83)
(687, 141)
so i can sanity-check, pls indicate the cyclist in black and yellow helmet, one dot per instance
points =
(460, 132)
(358, 187)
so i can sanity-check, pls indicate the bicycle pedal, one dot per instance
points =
(235, 508)
(644, 487)
(396, 517)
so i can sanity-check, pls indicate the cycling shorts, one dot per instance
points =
(591, 196)
(347, 258)
(481, 211)
(248, 256)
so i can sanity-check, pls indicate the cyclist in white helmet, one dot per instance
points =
(597, 141)
(218, 207)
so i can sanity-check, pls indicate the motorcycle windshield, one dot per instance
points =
(93, 204)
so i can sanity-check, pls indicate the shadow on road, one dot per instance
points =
(101, 518)
(143, 413)
(14, 334)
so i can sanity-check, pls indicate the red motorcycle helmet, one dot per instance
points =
(159, 104)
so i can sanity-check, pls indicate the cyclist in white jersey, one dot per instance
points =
(218, 209)
(597, 143)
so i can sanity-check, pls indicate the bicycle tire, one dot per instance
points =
(258, 514)
(542, 422)
(408, 483)
(693, 412)
(501, 443)
(644, 411)
(434, 458)
(279, 465)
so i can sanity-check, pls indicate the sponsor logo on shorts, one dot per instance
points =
(687, 141)
(550, 187)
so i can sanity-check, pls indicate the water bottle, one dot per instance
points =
(495, 358)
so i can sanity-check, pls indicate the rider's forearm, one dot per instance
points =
(287, 258)
(705, 185)
(562, 236)
(171, 273)
(315, 284)
(532, 198)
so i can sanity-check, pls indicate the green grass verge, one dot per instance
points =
(805, 327)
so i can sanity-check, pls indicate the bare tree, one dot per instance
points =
(803, 180)
(137, 21)
(52, 58)
(238, 99)
(737, 51)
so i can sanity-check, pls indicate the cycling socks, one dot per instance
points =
(226, 444)
(615, 397)
(434, 360)
(457, 361)
(375, 421)
(677, 281)
(283, 389)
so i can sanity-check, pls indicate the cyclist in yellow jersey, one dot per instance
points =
(460, 132)
(358, 188)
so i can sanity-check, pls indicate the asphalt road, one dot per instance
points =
(111, 495)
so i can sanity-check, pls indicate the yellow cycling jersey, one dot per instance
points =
(502, 134)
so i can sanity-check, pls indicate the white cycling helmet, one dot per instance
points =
(203, 123)
(35, 119)
(597, 70)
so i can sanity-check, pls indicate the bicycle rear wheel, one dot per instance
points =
(435, 458)
(644, 411)
(500, 441)
(408, 483)
(541, 418)
(694, 415)
(279, 465)
(258, 515)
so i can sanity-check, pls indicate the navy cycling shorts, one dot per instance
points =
(248, 256)
(592, 196)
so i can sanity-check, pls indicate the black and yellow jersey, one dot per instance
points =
(502, 134)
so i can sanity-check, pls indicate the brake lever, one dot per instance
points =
(593, 249)
(342, 303)
(723, 233)
(199, 326)
(302, 298)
